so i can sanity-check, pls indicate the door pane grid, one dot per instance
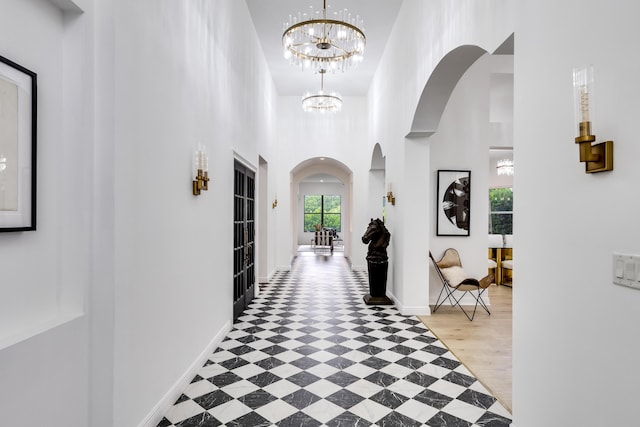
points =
(244, 238)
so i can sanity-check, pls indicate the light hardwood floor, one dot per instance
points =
(484, 345)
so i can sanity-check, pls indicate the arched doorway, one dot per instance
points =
(307, 177)
(427, 130)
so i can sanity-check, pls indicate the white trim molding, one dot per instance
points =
(167, 401)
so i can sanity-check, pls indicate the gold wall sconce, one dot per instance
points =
(201, 164)
(596, 157)
(274, 204)
(390, 197)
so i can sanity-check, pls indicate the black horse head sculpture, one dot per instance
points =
(377, 236)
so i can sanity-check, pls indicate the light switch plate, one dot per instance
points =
(626, 270)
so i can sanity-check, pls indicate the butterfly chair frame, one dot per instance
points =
(451, 258)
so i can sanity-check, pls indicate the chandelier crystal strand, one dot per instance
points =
(322, 102)
(317, 42)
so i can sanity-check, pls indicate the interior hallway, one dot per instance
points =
(309, 352)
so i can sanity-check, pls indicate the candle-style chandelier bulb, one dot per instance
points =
(583, 96)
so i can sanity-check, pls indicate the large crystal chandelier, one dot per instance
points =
(320, 101)
(312, 40)
(505, 167)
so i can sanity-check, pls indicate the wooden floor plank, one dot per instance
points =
(484, 345)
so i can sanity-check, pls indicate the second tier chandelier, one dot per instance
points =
(321, 101)
(315, 41)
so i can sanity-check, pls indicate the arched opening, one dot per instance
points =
(320, 176)
(462, 112)
(439, 87)
(377, 159)
(428, 128)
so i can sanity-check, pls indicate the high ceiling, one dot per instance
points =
(269, 17)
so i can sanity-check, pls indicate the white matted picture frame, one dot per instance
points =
(453, 203)
(18, 120)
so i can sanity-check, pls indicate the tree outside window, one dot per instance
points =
(501, 211)
(324, 211)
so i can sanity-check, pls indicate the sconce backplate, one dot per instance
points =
(604, 151)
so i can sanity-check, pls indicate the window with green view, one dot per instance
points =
(322, 210)
(501, 210)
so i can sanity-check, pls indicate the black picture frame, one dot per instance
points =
(18, 144)
(453, 203)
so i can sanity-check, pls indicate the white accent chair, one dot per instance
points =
(456, 282)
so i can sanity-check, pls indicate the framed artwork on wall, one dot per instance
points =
(453, 214)
(18, 109)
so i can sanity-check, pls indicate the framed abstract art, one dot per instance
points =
(17, 147)
(453, 215)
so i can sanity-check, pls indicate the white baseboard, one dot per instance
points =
(270, 276)
(415, 310)
(408, 310)
(155, 416)
(264, 280)
(359, 267)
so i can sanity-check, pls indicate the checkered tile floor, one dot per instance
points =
(308, 352)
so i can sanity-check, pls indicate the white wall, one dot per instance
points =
(500, 117)
(101, 293)
(575, 350)
(423, 35)
(125, 285)
(44, 346)
(180, 79)
(462, 143)
(171, 286)
(343, 137)
(56, 288)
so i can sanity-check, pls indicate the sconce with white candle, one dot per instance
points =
(390, 197)
(598, 157)
(201, 166)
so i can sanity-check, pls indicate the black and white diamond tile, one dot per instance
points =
(309, 352)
